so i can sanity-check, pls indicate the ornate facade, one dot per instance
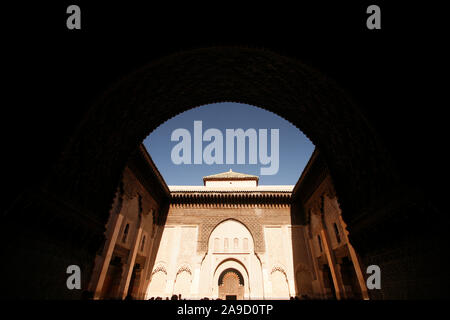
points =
(229, 239)
(132, 232)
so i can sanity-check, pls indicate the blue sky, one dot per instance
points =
(295, 148)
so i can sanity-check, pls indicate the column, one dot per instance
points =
(143, 279)
(335, 274)
(100, 275)
(145, 270)
(149, 261)
(355, 261)
(125, 281)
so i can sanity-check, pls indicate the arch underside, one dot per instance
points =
(224, 272)
(90, 168)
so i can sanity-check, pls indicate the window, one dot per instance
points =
(216, 244)
(143, 243)
(336, 231)
(245, 244)
(320, 242)
(125, 233)
(225, 245)
(236, 243)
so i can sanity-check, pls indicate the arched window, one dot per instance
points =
(236, 243)
(225, 244)
(216, 244)
(125, 233)
(246, 244)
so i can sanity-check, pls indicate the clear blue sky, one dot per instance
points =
(295, 148)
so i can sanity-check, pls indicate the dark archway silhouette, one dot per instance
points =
(79, 191)
(90, 168)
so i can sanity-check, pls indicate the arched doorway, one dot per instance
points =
(223, 255)
(238, 281)
(280, 286)
(182, 286)
(158, 282)
(231, 285)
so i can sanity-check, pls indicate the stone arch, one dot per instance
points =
(183, 281)
(231, 263)
(88, 171)
(253, 225)
(231, 260)
(278, 267)
(158, 282)
(184, 268)
(159, 267)
(238, 274)
(280, 283)
(231, 284)
(249, 234)
(87, 175)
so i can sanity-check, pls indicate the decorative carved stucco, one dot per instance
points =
(253, 224)
(158, 268)
(184, 268)
(278, 267)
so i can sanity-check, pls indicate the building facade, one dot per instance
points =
(133, 232)
(230, 238)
